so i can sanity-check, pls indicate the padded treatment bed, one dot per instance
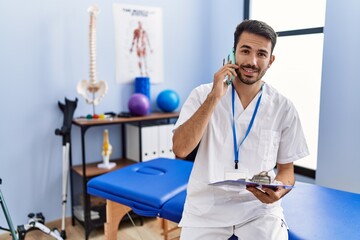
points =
(152, 188)
(314, 212)
(158, 188)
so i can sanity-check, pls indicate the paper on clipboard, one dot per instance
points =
(244, 182)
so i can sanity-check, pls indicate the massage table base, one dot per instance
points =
(115, 213)
(167, 229)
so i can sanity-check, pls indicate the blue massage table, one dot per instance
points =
(158, 188)
(152, 188)
(314, 212)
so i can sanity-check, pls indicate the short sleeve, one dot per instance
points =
(293, 143)
(192, 103)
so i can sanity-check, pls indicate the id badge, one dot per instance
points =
(235, 174)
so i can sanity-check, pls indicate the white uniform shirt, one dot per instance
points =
(276, 136)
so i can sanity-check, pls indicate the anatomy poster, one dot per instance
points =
(138, 39)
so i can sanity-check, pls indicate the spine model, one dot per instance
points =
(97, 89)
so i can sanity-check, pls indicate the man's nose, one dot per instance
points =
(251, 60)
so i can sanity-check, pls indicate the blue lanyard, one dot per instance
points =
(236, 148)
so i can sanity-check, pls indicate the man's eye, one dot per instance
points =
(262, 54)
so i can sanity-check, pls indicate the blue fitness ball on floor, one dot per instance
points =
(139, 104)
(168, 100)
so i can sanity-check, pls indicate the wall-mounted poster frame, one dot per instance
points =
(139, 42)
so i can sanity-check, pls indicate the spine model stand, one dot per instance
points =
(96, 89)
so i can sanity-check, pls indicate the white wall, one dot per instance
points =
(44, 54)
(225, 16)
(338, 153)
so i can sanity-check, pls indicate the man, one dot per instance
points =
(242, 129)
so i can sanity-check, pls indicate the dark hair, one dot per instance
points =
(256, 27)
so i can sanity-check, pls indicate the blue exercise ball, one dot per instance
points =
(139, 104)
(168, 100)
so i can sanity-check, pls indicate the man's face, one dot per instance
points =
(253, 56)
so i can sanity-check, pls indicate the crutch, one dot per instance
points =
(68, 109)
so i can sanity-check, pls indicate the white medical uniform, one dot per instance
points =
(276, 137)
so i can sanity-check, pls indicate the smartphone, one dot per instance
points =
(230, 59)
(232, 56)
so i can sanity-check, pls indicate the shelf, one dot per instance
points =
(99, 223)
(92, 170)
(117, 120)
(86, 171)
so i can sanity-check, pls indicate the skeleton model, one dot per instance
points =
(96, 89)
(106, 152)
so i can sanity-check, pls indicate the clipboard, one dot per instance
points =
(245, 182)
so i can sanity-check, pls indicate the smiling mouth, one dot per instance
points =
(249, 74)
(249, 69)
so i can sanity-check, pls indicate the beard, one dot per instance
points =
(250, 80)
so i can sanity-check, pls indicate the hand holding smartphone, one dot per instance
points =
(230, 59)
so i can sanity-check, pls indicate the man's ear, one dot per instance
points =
(272, 59)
